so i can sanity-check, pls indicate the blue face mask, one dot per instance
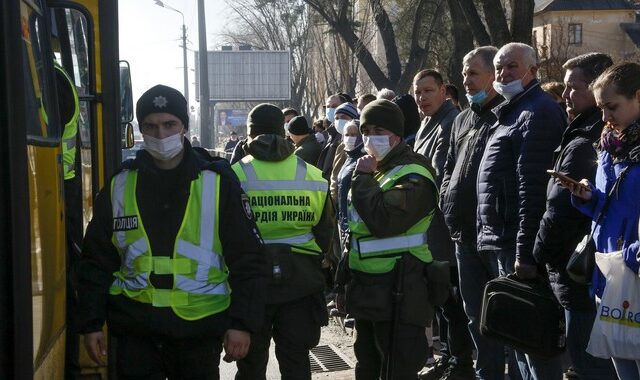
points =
(478, 98)
(340, 124)
(330, 114)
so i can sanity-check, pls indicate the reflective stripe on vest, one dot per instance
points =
(392, 243)
(299, 183)
(287, 200)
(300, 239)
(70, 130)
(200, 286)
(378, 255)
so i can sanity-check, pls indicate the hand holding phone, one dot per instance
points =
(567, 180)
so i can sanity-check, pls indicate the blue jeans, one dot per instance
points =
(579, 324)
(475, 271)
(627, 369)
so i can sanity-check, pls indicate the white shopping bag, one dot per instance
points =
(616, 330)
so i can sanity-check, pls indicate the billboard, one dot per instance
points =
(231, 120)
(247, 75)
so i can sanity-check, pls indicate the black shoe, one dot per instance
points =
(435, 372)
(459, 373)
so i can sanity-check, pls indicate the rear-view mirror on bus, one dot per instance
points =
(126, 96)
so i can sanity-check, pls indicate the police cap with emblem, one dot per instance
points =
(163, 99)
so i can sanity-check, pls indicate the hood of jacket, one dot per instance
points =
(269, 147)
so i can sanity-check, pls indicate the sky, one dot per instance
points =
(150, 40)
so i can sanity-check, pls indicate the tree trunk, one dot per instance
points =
(345, 30)
(475, 22)
(417, 53)
(522, 20)
(388, 36)
(494, 15)
(462, 44)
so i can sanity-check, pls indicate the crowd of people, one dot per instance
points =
(375, 208)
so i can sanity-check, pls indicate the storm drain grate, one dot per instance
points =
(327, 359)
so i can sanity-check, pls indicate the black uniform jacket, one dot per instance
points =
(162, 197)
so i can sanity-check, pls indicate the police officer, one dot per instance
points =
(170, 239)
(393, 195)
(295, 217)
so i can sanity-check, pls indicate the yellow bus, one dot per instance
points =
(81, 35)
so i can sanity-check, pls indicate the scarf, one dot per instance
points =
(619, 144)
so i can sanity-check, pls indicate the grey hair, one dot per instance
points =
(528, 52)
(352, 123)
(386, 93)
(485, 53)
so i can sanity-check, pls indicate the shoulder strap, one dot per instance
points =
(613, 190)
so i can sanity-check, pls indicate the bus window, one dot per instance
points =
(45, 130)
(70, 39)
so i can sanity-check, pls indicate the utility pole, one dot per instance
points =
(206, 127)
(184, 49)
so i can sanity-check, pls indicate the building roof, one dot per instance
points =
(579, 5)
(633, 31)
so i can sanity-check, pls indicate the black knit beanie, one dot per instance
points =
(163, 99)
(265, 119)
(298, 126)
(385, 114)
(407, 104)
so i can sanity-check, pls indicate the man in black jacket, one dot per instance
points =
(172, 234)
(562, 225)
(469, 136)
(512, 174)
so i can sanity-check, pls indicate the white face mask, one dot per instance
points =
(511, 89)
(349, 142)
(377, 146)
(163, 149)
(340, 124)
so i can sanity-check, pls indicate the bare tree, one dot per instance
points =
(275, 25)
(394, 75)
(503, 24)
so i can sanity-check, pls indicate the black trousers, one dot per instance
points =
(159, 358)
(73, 226)
(373, 344)
(295, 328)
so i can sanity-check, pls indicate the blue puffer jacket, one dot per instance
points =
(512, 179)
(618, 228)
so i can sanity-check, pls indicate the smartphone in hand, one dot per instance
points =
(566, 179)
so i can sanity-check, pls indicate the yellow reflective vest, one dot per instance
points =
(370, 254)
(287, 199)
(200, 286)
(70, 131)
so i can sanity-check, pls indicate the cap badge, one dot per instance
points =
(160, 101)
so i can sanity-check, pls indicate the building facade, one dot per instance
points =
(563, 29)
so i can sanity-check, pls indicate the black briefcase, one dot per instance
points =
(523, 314)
